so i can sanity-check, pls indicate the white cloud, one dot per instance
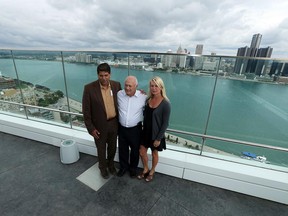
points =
(151, 25)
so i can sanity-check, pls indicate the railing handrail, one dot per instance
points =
(147, 52)
(38, 107)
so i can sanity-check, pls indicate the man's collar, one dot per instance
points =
(137, 93)
(104, 87)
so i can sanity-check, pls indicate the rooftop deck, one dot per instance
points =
(35, 182)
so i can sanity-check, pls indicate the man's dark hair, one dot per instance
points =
(103, 67)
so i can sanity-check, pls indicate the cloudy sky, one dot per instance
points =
(144, 25)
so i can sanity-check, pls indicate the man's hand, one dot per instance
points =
(96, 134)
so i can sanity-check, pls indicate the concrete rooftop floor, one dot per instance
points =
(33, 181)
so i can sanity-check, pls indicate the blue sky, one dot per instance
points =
(132, 25)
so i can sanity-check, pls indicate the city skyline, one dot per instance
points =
(152, 26)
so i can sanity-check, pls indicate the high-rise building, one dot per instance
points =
(255, 44)
(199, 49)
(244, 51)
(256, 40)
(253, 49)
(252, 65)
(264, 52)
(180, 60)
(167, 59)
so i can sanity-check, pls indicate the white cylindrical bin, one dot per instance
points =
(69, 152)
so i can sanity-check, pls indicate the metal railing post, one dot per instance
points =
(66, 89)
(19, 83)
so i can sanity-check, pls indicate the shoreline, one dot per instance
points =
(188, 144)
(75, 105)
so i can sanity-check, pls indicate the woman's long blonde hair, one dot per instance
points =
(159, 82)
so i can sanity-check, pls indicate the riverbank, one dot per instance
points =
(188, 144)
(75, 106)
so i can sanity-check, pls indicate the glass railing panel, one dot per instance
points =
(34, 73)
(41, 72)
(188, 87)
(9, 86)
(79, 69)
(8, 80)
(250, 107)
(191, 92)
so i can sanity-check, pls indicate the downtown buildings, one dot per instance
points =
(258, 62)
(255, 66)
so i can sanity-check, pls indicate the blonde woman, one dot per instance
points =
(156, 119)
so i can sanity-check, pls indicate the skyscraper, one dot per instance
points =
(265, 52)
(199, 49)
(256, 40)
(252, 65)
(180, 60)
(255, 44)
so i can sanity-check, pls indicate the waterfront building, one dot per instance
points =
(199, 49)
(258, 67)
(88, 59)
(279, 68)
(167, 60)
(83, 58)
(265, 52)
(256, 40)
(255, 44)
(198, 63)
(181, 60)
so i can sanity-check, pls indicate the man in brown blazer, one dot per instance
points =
(99, 107)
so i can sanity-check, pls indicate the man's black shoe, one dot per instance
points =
(121, 172)
(104, 173)
(112, 170)
(133, 174)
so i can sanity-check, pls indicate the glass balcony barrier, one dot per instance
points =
(228, 149)
(221, 105)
